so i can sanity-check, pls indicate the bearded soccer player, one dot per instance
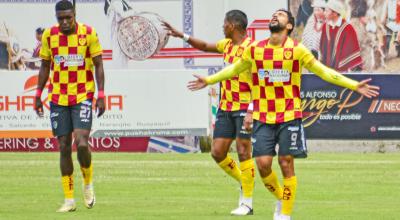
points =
(70, 50)
(276, 64)
(234, 102)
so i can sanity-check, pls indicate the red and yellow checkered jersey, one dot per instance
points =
(235, 92)
(276, 76)
(71, 56)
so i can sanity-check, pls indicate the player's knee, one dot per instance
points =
(82, 147)
(217, 154)
(285, 162)
(81, 142)
(243, 151)
(65, 150)
(264, 167)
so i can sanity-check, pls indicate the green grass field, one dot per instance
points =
(174, 186)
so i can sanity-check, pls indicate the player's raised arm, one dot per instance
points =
(196, 43)
(224, 74)
(334, 77)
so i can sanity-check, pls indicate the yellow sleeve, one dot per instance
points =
(247, 53)
(95, 48)
(330, 75)
(45, 52)
(228, 72)
(220, 45)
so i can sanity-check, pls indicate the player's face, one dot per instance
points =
(66, 20)
(228, 29)
(279, 22)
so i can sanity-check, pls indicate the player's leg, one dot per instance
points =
(264, 143)
(289, 185)
(224, 134)
(244, 150)
(291, 144)
(62, 128)
(82, 123)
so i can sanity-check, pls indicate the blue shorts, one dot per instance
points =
(64, 119)
(288, 135)
(230, 125)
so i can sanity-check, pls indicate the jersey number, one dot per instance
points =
(85, 111)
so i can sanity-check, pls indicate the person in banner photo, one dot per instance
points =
(36, 50)
(276, 65)
(233, 106)
(339, 46)
(392, 24)
(312, 31)
(69, 51)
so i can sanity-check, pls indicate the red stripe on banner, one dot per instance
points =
(262, 24)
(373, 106)
(172, 53)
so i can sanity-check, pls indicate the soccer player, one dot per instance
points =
(234, 102)
(276, 64)
(70, 50)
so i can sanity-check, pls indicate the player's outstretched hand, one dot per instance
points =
(100, 107)
(367, 90)
(39, 107)
(197, 84)
(171, 30)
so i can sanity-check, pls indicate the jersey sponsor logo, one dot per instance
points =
(274, 75)
(261, 73)
(69, 60)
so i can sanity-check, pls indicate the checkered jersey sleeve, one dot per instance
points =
(222, 44)
(94, 44)
(45, 52)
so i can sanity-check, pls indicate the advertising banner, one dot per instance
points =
(331, 112)
(138, 104)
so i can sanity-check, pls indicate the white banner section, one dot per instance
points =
(138, 103)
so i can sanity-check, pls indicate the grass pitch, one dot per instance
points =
(174, 186)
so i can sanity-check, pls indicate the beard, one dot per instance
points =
(276, 28)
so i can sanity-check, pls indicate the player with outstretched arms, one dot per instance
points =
(276, 64)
